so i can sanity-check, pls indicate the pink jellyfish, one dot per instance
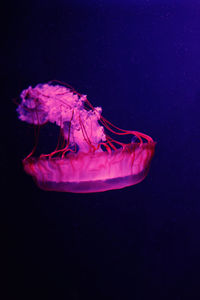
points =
(86, 158)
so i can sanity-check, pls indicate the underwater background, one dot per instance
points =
(138, 60)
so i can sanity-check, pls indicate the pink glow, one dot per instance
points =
(88, 159)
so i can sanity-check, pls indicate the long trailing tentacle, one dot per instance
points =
(63, 145)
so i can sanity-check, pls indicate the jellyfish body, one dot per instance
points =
(86, 158)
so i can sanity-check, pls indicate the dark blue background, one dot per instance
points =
(139, 60)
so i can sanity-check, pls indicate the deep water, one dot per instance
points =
(139, 61)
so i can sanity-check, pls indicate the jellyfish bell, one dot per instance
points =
(86, 158)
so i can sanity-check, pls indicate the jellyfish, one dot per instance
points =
(88, 158)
